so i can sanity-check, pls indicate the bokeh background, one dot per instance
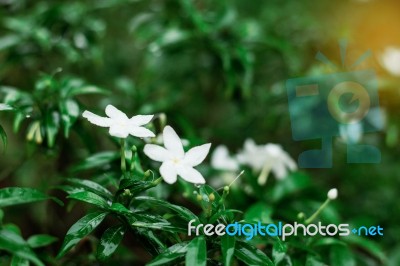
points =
(217, 69)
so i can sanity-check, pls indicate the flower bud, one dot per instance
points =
(199, 197)
(211, 197)
(332, 194)
(133, 149)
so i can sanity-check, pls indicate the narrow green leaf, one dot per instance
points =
(181, 211)
(197, 252)
(171, 255)
(3, 137)
(228, 249)
(91, 186)
(80, 229)
(52, 126)
(110, 241)
(120, 209)
(97, 160)
(17, 195)
(135, 186)
(91, 198)
(69, 113)
(251, 255)
(37, 241)
(86, 90)
(16, 245)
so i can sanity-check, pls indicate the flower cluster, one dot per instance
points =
(172, 156)
(176, 162)
(261, 158)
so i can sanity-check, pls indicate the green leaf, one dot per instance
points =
(341, 255)
(91, 186)
(278, 251)
(16, 245)
(181, 211)
(37, 241)
(3, 137)
(259, 212)
(110, 241)
(227, 248)
(69, 113)
(18, 261)
(197, 252)
(368, 245)
(205, 191)
(163, 226)
(228, 214)
(120, 209)
(135, 186)
(251, 255)
(91, 198)
(80, 229)
(327, 241)
(170, 255)
(17, 195)
(52, 126)
(9, 41)
(86, 90)
(314, 261)
(295, 182)
(97, 160)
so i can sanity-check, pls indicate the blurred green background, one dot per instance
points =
(217, 69)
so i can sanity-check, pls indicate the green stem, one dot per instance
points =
(123, 161)
(315, 215)
(263, 177)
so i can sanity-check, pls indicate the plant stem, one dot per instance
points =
(263, 177)
(315, 215)
(123, 161)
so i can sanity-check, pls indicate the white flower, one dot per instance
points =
(221, 160)
(120, 125)
(159, 139)
(174, 159)
(390, 60)
(266, 158)
(332, 194)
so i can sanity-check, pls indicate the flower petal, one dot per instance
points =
(220, 159)
(191, 175)
(172, 142)
(114, 113)
(97, 120)
(250, 145)
(156, 153)
(197, 154)
(140, 120)
(279, 170)
(140, 132)
(168, 172)
(119, 131)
